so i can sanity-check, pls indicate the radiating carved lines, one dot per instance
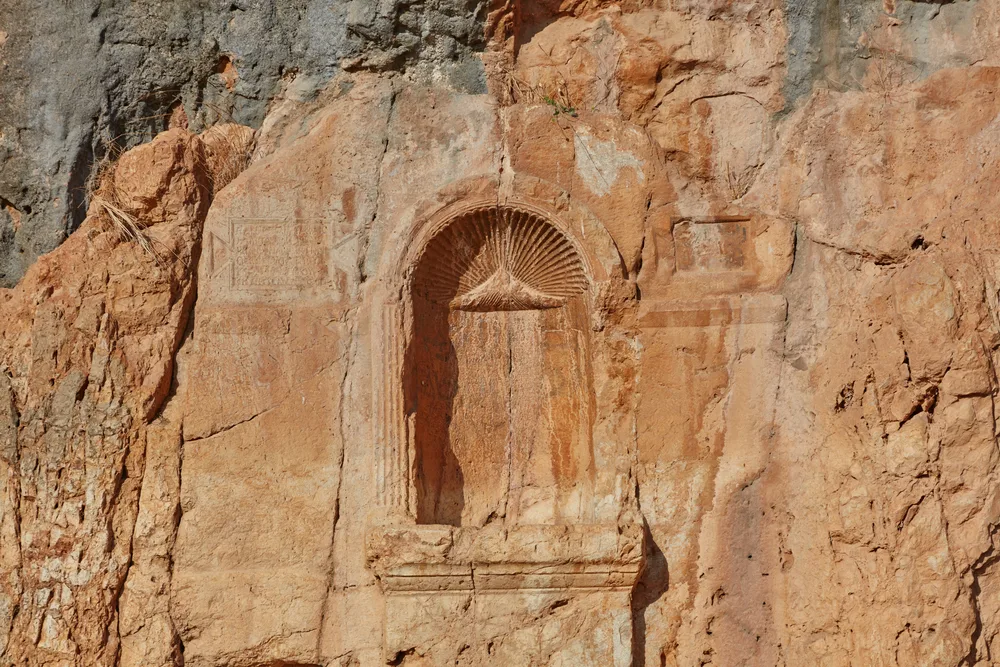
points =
(483, 259)
(499, 259)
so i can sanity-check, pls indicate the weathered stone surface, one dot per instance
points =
(673, 345)
(89, 339)
(79, 80)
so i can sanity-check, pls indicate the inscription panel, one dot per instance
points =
(283, 261)
(278, 255)
(709, 245)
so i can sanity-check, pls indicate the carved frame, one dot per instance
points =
(394, 452)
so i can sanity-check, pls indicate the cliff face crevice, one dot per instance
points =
(88, 362)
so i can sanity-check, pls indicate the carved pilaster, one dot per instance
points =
(392, 452)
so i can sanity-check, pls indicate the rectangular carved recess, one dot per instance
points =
(715, 311)
(277, 254)
(710, 244)
(500, 414)
(251, 260)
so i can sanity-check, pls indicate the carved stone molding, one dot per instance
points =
(477, 257)
(391, 450)
(446, 558)
(462, 287)
(713, 311)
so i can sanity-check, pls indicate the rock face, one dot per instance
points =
(675, 344)
(79, 81)
(89, 344)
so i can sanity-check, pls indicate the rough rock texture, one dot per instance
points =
(89, 340)
(136, 66)
(674, 345)
(81, 80)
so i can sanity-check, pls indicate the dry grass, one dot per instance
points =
(228, 152)
(127, 225)
(887, 73)
(104, 194)
(513, 89)
(228, 149)
(108, 202)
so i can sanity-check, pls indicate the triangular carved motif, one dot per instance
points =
(218, 255)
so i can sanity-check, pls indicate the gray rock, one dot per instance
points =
(84, 78)
(81, 78)
(826, 45)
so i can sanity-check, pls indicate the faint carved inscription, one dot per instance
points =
(267, 255)
(710, 245)
(277, 260)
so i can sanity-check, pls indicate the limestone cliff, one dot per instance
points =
(673, 343)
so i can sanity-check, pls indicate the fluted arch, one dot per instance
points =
(499, 258)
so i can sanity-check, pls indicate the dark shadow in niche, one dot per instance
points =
(430, 382)
(652, 584)
(471, 276)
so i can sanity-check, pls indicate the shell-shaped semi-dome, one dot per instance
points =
(499, 258)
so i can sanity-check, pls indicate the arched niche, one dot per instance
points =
(482, 270)
(496, 379)
(501, 479)
(513, 284)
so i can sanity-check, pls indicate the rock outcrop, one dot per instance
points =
(675, 344)
(83, 80)
(89, 344)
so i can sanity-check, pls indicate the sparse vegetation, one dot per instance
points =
(103, 193)
(514, 89)
(228, 152)
(559, 108)
(127, 225)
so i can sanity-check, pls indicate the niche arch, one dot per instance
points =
(499, 259)
(496, 377)
(480, 257)
(435, 549)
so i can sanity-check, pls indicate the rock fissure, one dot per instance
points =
(331, 564)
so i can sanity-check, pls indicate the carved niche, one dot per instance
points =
(485, 414)
(496, 370)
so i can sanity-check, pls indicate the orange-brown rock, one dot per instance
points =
(89, 339)
(633, 360)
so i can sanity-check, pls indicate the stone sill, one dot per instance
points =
(429, 558)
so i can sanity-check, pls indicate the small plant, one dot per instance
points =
(559, 108)
(228, 152)
(887, 73)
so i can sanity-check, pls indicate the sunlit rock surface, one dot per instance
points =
(668, 345)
